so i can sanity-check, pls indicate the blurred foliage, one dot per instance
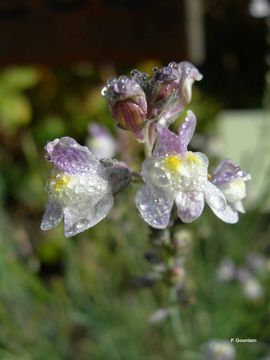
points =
(73, 298)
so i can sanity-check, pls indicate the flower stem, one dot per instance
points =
(163, 240)
(147, 143)
(176, 321)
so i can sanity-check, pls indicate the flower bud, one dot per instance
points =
(170, 91)
(127, 103)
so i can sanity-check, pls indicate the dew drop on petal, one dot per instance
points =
(159, 177)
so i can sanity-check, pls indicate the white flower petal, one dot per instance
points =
(228, 215)
(190, 205)
(154, 206)
(238, 205)
(234, 190)
(84, 215)
(52, 216)
(214, 197)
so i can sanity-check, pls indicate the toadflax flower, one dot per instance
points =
(127, 103)
(79, 188)
(175, 175)
(231, 180)
(169, 91)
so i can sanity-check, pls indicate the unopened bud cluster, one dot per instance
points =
(139, 99)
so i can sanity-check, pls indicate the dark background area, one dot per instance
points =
(104, 32)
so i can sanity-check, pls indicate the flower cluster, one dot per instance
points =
(82, 185)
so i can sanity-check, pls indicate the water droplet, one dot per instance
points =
(104, 91)
(134, 72)
(47, 157)
(159, 177)
(173, 65)
(123, 79)
(111, 81)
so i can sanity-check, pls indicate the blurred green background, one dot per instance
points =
(77, 298)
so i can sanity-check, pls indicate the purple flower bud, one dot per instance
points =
(170, 91)
(127, 103)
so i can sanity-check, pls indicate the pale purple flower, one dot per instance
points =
(169, 91)
(175, 175)
(79, 188)
(231, 180)
(101, 142)
(127, 103)
(219, 349)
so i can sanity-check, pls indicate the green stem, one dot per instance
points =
(176, 320)
(147, 145)
(170, 261)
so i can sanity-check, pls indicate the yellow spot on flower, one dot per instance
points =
(172, 163)
(61, 183)
(193, 159)
(239, 183)
(209, 176)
